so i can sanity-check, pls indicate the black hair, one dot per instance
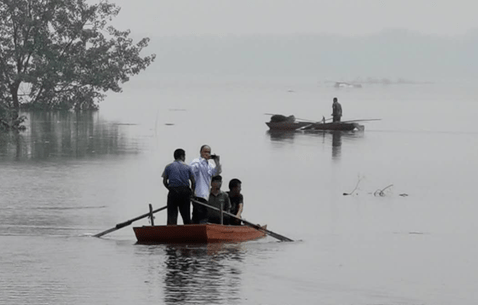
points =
(233, 183)
(335, 99)
(202, 147)
(217, 178)
(178, 153)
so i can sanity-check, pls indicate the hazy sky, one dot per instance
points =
(345, 17)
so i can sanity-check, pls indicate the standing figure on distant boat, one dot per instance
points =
(176, 177)
(336, 111)
(203, 172)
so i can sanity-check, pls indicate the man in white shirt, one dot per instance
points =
(203, 171)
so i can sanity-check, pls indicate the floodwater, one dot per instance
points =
(406, 234)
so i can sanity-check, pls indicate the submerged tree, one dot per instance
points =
(62, 54)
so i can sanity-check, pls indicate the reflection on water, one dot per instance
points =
(282, 135)
(65, 134)
(336, 143)
(200, 274)
(334, 137)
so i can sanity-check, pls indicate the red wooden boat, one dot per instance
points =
(196, 233)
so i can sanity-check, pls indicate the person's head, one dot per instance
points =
(216, 182)
(235, 186)
(179, 154)
(205, 152)
(335, 100)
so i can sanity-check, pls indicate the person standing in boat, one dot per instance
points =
(336, 110)
(237, 200)
(176, 178)
(218, 199)
(203, 172)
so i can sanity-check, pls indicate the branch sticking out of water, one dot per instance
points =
(356, 186)
(381, 192)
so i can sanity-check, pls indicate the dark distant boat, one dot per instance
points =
(345, 126)
(287, 125)
(196, 233)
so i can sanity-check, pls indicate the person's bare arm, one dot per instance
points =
(239, 210)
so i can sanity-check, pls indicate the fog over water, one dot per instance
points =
(253, 17)
(418, 41)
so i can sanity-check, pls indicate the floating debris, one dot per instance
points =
(381, 192)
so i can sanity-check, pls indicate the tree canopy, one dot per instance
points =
(63, 54)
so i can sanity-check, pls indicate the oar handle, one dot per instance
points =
(123, 224)
(128, 222)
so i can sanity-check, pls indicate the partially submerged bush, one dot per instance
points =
(10, 120)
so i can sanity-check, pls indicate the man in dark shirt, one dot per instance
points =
(176, 177)
(218, 198)
(237, 200)
(336, 111)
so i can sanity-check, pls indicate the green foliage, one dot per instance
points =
(62, 54)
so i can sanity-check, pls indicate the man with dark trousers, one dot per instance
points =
(336, 111)
(176, 178)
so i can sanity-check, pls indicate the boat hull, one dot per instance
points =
(286, 125)
(195, 233)
(343, 126)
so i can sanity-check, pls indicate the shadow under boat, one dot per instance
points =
(334, 137)
(286, 135)
(281, 135)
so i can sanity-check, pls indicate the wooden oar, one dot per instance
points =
(305, 127)
(324, 120)
(128, 222)
(310, 126)
(250, 224)
(361, 120)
